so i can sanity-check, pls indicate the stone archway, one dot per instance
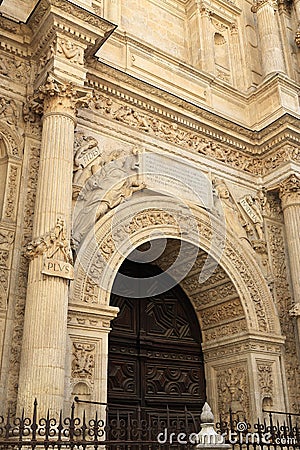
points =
(237, 349)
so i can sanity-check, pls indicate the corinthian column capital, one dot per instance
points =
(258, 4)
(289, 191)
(59, 97)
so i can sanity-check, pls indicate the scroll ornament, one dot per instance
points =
(56, 252)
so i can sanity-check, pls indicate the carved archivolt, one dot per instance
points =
(105, 250)
(12, 140)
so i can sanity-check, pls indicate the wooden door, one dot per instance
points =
(155, 356)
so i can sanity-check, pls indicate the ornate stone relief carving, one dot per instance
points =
(56, 251)
(257, 290)
(113, 181)
(64, 95)
(212, 294)
(197, 142)
(70, 50)
(295, 310)
(6, 238)
(265, 380)
(245, 219)
(234, 220)
(253, 207)
(6, 241)
(70, 9)
(86, 159)
(8, 111)
(284, 304)
(272, 208)
(52, 242)
(297, 38)
(83, 363)
(289, 190)
(4, 274)
(225, 330)
(11, 193)
(91, 291)
(14, 68)
(233, 386)
(223, 312)
(21, 282)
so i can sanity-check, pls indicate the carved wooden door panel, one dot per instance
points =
(155, 356)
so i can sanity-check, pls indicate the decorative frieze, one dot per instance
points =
(14, 69)
(232, 309)
(235, 155)
(228, 330)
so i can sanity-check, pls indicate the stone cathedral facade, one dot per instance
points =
(127, 123)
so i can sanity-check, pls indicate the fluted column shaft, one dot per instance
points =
(290, 200)
(271, 49)
(42, 369)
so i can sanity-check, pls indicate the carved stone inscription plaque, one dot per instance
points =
(171, 176)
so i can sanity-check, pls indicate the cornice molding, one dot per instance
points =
(71, 19)
(283, 131)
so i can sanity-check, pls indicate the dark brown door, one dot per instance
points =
(155, 356)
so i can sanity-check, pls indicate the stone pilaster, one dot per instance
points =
(112, 10)
(42, 369)
(290, 200)
(207, 53)
(271, 49)
(237, 58)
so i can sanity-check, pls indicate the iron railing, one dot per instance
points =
(123, 428)
(143, 429)
(277, 430)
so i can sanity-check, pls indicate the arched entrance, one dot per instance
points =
(155, 358)
(234, 307)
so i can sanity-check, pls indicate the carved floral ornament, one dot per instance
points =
(57, 96)
(56, 252)
(83, 363)
(289, 191)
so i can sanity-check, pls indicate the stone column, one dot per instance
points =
(239, 67)
(207, 42)
(290, 201)
(42, 369)
(271, 49)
